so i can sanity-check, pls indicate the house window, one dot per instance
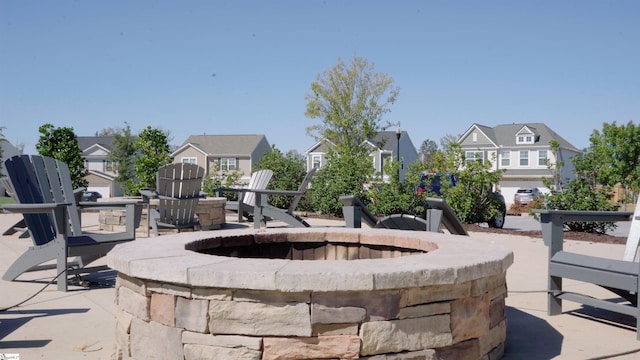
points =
(107, 166)
(474, 156)
(505, 158)
(316, 161)
(190, 160)
(228, 164)
(524, 158)
(474, 137)
(542, 157)
(524, 139)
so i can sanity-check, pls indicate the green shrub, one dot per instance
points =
(345, 173)
(288, 172)
(583, 195)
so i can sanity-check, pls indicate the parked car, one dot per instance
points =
(91, 196)
(432, 182)
(526, 195)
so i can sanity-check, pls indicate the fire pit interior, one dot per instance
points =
(367, 293)
(268, 247)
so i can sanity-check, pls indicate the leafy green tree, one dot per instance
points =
(345, 173)
(153, 146)
(225, 179)
(616, 155)
(448, 140)
(123, 154)
(350, 99)
(397, 197)
(613, 157)
(427, 150)
(62, 144)
(582, 193)
(288, 172)
(472, 198)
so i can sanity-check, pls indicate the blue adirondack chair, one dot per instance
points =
(47, 201)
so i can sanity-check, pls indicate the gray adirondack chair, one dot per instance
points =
(263, 211)
(437, 213)
(619, 276)
(355, 211)
(42, 185)
(246, 197)
(178, 191)
(403, 222)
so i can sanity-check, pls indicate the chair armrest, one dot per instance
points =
(278, 192)
(107, 204)
(148, 194)
(33, 208)
(552, 222)
(219, 191)
(585, 215)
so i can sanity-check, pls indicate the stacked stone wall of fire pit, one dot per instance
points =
(459, 314)
(211, 214)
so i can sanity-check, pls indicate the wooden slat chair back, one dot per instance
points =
(32, 187)
(178, 192)
(46, 198)
(259, 180)
(302, 190)
(263, 211)
(246, 198)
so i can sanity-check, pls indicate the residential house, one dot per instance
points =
(384, 148)
(226, 152)
(101, 178)
(8, 150)
(522, 150)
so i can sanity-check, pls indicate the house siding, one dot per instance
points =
(383, 148)
(210, 149)
(501, 141)
(191, 152)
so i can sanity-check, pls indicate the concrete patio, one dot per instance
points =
(80, 324)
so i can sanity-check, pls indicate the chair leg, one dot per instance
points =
(32, 259)
(154, 216)
(62, 267)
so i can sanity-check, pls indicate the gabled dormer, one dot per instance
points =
(526, 136)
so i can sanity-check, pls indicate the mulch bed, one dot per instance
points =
(570, 235)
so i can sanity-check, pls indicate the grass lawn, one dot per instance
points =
(5, 200)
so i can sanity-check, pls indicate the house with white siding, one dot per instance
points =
(385, 147)
(522, 150)
(102, 173)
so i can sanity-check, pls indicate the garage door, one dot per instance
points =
(105, 191)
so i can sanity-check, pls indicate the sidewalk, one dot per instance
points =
(79, 324)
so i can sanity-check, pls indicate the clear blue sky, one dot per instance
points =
(244, 67)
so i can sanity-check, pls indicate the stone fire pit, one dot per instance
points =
(314, 293)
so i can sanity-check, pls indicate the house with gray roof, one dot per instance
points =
(522, 150)
(102, 173)
(217, 153)
(383, 149)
